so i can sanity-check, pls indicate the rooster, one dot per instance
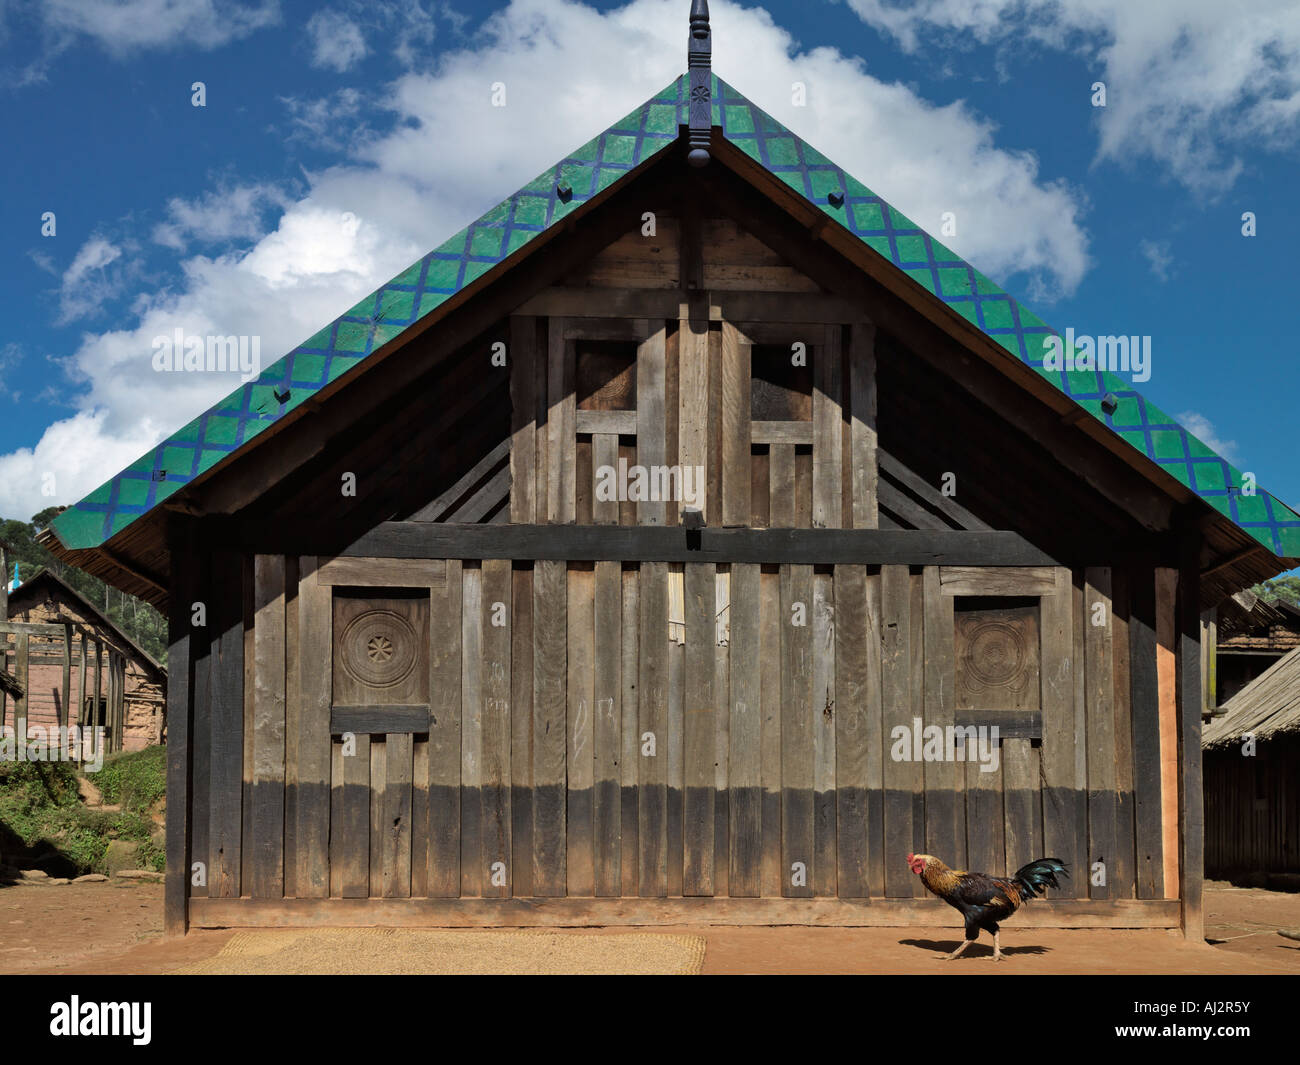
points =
(985, 900)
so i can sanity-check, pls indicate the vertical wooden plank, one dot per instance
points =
(772, 876)
(249, 608)
(561, 425)
(200, 736)
(22, 675)
(584, 481)
(630, 758)
(64, 716)
(542, 420)
(781, 486)
(674, 746)
(523, 428)
(336, 842)
(471, 731)
(350, 845)
(1190, 701)
(652, 710)
(314, 748)
(722, 726)
(902, 778)
(495, 730)
(1122, 871)
(945, 800)
(1167, 679)
(797, 751)
(824, 709)
(760, 501)
(862, 428)
(81, 717)
(419, 818)
(828, 447)
(521, 731)
(803, 486)
(398, 771)
(1081, 622)
(852, 749)
(607, 694)
(581, 753)
(700, 730)
(1145, 699)
(550, 654)
(693, 396)
(378, 826)
(604, 455)
(651, 414)
(442, 875)
(292, 708)
(745, 735)
(268, 727)
(180, 668)
(627, 453)
(1057, 678)
(226, 624)
(100, 739)
(1099, 671)
(916, 615)
(736, 412)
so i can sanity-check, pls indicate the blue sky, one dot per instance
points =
(340, 141)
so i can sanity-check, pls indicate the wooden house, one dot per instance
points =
(82, 669)
(601, 566)
(1252, 777)
(1252, 635)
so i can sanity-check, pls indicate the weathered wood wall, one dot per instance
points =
(572, 747)
(1252, 824)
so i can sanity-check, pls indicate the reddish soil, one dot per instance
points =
(116, 928)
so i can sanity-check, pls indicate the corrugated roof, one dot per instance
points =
(455, 265)
(1268, 706)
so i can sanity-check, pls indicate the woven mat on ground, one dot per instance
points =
(458, 952)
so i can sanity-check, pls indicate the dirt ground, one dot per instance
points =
(116, 928)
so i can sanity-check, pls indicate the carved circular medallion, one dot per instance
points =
(378, 649)
(997, 656)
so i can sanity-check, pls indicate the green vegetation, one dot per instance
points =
(134, 781)
(1286, 588)
(134, 617)
(41, 809)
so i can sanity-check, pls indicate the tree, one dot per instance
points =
(1286, 588)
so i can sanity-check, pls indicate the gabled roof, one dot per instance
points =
(27, 591)
(457, 266)
(1268, 706)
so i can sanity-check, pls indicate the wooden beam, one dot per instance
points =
(613, 422)
(379, 719)
(768, 308)
(781, 432)
(1008, 580)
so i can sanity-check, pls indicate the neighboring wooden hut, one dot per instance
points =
(119, 688)
(426, 662)
(1253, 635)
(1252, 789)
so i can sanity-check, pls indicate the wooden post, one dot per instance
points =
(1191, 814)
(65, 718)
(21, 701)
(4, 584)
(94, 702)
(1210, 658)
(176, 889)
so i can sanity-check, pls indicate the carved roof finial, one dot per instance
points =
(699, 57)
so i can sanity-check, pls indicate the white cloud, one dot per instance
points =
(1203, 429)
(336, 41)
(122, 26)
(452, 155)
(1158, 257)
(1194, 85)
(86, 283)
(231, 213)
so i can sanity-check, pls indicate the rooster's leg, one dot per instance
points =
(997, 950)
(957, 953)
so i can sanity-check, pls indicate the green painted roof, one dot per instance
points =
(599, 163)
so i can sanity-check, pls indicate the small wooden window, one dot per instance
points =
(997, 653)
(780, 392)
(606, 375)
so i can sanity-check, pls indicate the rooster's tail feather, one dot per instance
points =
(1037, 876)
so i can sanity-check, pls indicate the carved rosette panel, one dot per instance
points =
(997, 659)
(378, 649)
